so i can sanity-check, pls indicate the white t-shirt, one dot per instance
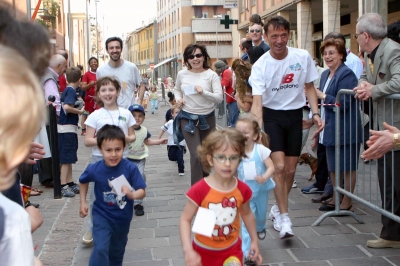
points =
(146, 95)
(263, 151)
(169, 128)
(354, 63)
(121, 118)
(281, 82)
(128, 76)
(16, 247)
(195, 103)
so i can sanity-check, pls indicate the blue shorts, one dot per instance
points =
(68, 147)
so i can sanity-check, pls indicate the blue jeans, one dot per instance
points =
(175, 154)
(154, 105)
(109, 242)
(233, 114)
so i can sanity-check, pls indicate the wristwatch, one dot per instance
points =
(396, 140)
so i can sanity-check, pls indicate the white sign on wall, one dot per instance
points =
(231, 3)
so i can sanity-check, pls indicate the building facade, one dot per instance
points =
(140, 47)
(311, 20)
(183, 22)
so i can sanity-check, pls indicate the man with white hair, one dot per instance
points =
(57, 66)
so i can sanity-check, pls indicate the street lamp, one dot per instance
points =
(97, 31)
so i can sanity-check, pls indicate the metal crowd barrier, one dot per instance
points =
(366, 190)
(221, 114)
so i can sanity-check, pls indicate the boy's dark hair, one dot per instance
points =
(110, 132)
(277, 22)
(73, 74)
(80, 67)
(90, 59)
(111, 39)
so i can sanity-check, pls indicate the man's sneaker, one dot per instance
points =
(294, 185)
(87, 238)
(311, 190)
(275, 216)
(138, 210)
(181, 174)
(74, 188)
(286, 228)
(67, 192)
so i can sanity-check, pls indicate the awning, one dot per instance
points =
(212, 37)
(164, 62)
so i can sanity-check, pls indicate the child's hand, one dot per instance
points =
(163, 141)
(84, 210)
(192, 258)
(126, 190)
(260, 179)
(254, 253)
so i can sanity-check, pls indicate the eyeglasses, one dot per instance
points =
(356, 35)
(192, 56)
(258, 31)
(223, 158)
(329, 53)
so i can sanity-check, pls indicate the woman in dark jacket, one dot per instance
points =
(338, 77)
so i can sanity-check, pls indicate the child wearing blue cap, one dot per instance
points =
(138, 151)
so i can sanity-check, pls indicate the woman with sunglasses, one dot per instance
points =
(197, 90)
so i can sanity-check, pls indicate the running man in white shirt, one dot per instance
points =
(278, 80)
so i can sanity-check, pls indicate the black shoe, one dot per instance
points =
(138, 210)
(48, 184)
(327, 208)
(322, 198)
(261, 235)
(28, 203)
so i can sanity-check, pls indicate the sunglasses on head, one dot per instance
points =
(258, 31)
(192, 56)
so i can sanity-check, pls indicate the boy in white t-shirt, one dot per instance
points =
(175, 152)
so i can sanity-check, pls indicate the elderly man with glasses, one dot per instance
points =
(382, 78)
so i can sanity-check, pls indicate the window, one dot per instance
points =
(198, 11)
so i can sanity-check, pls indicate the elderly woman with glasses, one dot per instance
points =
(338, 76)
(197, 90)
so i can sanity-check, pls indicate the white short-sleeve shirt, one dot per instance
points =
(281, 82)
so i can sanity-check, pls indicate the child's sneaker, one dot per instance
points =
(275, 216)
(67, 192)
(74, 188)
(181, 174)
(139, 210)
(87, 238)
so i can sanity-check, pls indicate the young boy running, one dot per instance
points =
(67, 128)
(175, 152)
(111, 216)
(138, 151)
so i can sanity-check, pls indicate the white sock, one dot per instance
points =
(284, 215)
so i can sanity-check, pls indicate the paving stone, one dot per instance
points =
(275, 256)
(160, 215)
(306, 263)
(174, 241)
(333, 229)
(142, 232)
(137, 255)
(144, 243)
(168, 221)
(335, 252)
(166, 231)
(148, 262)
(144, 224)
(167, 208)
(376, 261)
(168, 252)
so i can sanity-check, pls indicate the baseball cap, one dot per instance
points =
(136, 107)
